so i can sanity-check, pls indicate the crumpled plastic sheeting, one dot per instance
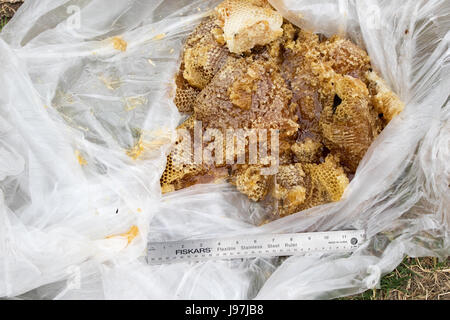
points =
(85, 128)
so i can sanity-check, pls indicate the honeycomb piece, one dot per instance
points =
(275, 50)
(348, 124)
(263, 107)
(203, 54)
(241, 91)
(185, 94)
(290, 200)
(308, 151)
(302, 186)
(182, 170)
(250, 181)
(345, 57)
(175, 175)
(299, 57)
(179, 166)
(290, 32)
(247, 23)
(187, 124)
(384, 100)
(289, 191)
(286, 156)
(327, 183)
(290, 175)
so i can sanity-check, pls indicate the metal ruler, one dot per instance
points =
(264, 245)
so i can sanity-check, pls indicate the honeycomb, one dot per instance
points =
(327, 183)
(386, 102)
(185, 94)
(247, 93)
(289, 190)
(345, 57)
(347, 122)
(179, 168)
(250, 181)
(308, 151)
(245, 68)
(247, 23)
(297, 69)
(203, 55)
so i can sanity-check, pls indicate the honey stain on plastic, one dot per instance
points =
(81, 160)
(155, 139)
(110, 83)
(130, 234)
(62, 98)
(132, 103)
(159, 36)
(136, 150)
(119, 44)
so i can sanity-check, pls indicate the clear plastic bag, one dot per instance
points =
(85, 130)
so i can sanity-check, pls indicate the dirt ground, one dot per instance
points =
(9, 7)
(414, 279)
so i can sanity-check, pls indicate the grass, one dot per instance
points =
(7, 10)
(3, 22)
(414, 279)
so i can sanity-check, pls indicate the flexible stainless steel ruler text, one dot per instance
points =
(264, 245)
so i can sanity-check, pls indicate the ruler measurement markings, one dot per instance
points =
(254, 246)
